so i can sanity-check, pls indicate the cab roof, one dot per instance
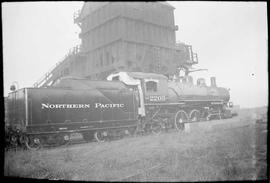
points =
(142, 75)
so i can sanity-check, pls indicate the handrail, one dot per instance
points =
(73, 51)
(76, 15)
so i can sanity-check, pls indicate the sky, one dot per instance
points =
(230, 39)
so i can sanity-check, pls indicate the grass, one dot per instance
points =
(37, 164)
(199, 156)
(23, 163)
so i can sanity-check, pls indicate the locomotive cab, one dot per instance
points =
(152, 88)
(155, 90)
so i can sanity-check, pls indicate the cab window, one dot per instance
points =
(151, 86)
(115, 78)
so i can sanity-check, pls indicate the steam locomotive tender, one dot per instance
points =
(47, 116)
(126, 103)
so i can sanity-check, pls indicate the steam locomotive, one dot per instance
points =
(127, 103)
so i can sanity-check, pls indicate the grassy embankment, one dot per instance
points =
(224, 153)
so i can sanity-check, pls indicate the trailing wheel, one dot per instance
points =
(64, 139)
(101, 136)
(194, 115)
(33, 143)
(181, 118)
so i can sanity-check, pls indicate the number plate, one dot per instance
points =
(156, 98)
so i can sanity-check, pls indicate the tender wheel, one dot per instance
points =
(88, 136)
(13, 141)
(181, 118)
(100, 136)
(33, 143)
(127, 132)
(23, 139)
(194, 115)
(132, 131)
(64, 139)
(156, 127)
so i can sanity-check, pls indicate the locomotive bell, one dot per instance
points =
(213, 81)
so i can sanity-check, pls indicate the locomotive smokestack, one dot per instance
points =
(213, 82)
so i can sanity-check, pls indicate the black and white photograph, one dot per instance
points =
(135, 91)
